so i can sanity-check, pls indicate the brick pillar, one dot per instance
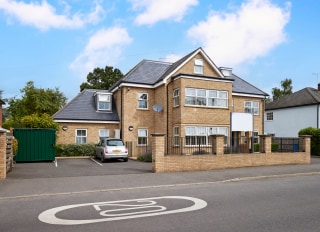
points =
(218, 144)
(158, 149)
(3, 155)
(265, 143)
(305, 146)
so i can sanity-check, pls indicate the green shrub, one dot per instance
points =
(256, 147)
(315, 139)
(65, 150)
(275, 147)
(146, 157)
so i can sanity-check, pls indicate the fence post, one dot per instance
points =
(3, 154)
(265, 143)
(158, 150)
(305, 141)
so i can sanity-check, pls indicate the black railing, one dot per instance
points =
(282, 144)
(187, 146)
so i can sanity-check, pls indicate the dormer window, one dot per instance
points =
(198, 66)
(103, 101)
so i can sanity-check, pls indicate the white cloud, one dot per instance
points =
(172, 58)
(105, 47)
(250, 32)
(44, 16)
(156, 10)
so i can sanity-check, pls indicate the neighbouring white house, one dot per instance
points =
(286, 116)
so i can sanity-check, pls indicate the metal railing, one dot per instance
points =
(285, 144)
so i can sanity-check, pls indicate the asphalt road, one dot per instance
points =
(270, 204)
(81, 195)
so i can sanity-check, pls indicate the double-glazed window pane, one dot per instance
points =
(202, 97)
(142, 137)
(142, 100)
(81, 136)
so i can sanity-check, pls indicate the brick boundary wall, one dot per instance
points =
(219, 160)
(3, 154)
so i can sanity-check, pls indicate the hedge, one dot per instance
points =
(65, 150)
(315, 139)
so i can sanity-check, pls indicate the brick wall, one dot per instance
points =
(178, 163)
(3, 154)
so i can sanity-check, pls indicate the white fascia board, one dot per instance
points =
(85, 121)
(248, 95)
(205, 79)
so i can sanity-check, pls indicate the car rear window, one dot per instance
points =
(114, 143)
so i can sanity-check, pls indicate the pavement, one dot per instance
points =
(14, 187)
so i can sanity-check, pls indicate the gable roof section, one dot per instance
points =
(83, 107)
(151, 73)
(2, 102)
(303, 97)
(240, 86)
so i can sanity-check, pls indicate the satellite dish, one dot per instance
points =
(157, 107)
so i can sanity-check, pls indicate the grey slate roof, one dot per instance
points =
(303, 97)
(243, 87)
(83, 107)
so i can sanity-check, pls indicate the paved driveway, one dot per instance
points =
(77, 167)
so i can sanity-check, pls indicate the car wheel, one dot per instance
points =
(125, 159)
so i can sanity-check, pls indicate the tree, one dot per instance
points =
(34, 101)
(286, 89)
(102, 78)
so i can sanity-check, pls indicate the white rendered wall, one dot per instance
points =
(288, 122)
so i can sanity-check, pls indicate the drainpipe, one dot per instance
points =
(317, 116)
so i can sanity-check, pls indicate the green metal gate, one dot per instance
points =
(35, 144)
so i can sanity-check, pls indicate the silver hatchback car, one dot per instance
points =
(109, 148)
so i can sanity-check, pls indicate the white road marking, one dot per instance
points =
(49, 216)
(55, 162)
(96, 161)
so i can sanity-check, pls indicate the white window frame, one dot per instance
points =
(201, 134)
(104, 133)
(143, 135)
(269, 116)
(198, 66)
(176, 136)
(206, 98)
(176, 97)
(255, 137)
(104, 102)
(79, 138)
(142, 100)
(252, 107)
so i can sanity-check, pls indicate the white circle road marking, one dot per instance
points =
(49, 216)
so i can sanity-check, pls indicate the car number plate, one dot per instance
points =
(116, 151)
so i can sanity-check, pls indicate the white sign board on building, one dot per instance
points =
(241, 121)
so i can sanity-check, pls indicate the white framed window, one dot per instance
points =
(142, 100)
(270, 116)
(176, 136)
(209, 98)
(104, 102)
(104, 133)
(198, 66)
(81, 136)
(251, 107)
(255, 137)
(176, 97)
(199, 135)
(142, 137)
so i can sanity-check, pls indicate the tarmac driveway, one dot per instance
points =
(77, 167)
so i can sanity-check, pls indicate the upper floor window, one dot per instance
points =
(251, 107)
(198, 66)
(142, 137)
(176, 97)
(270, 116)
(142, 100)
(203, 97)
(104, 102)
(81, 136)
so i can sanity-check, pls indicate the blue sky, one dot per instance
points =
(57, 43)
